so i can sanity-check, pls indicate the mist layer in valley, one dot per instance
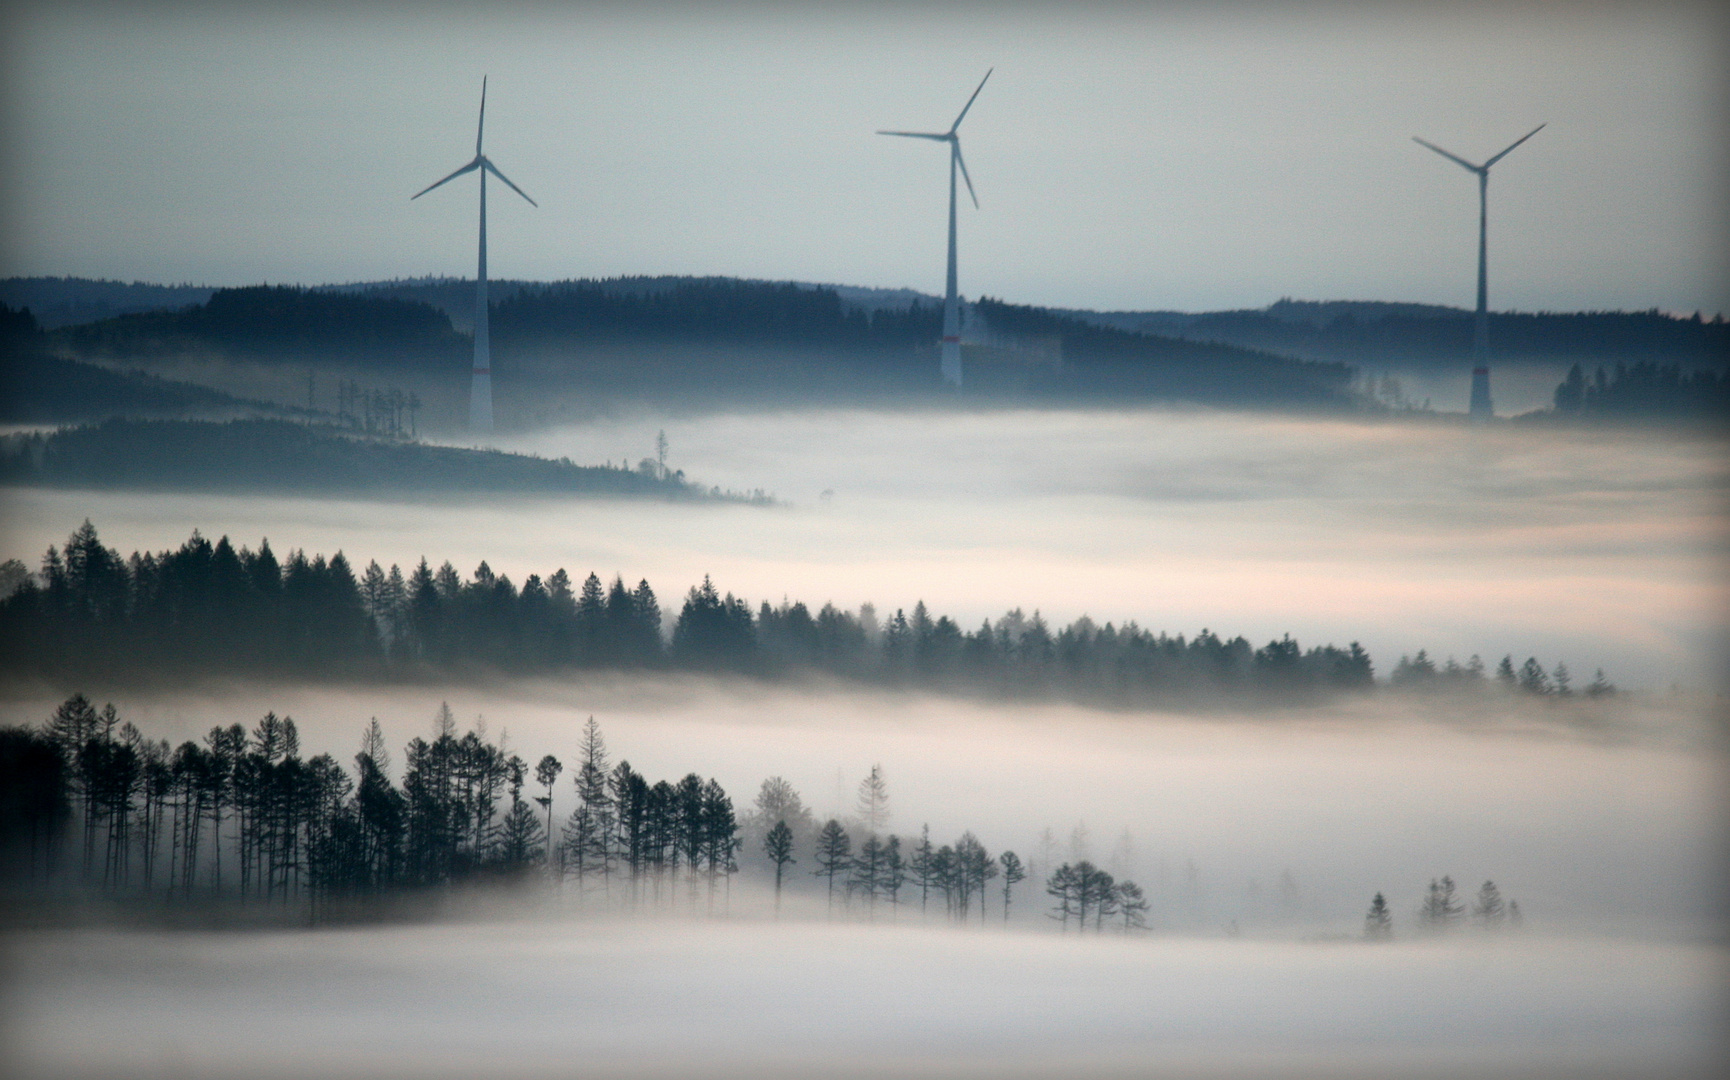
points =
(1600, 549)
(1259, 841)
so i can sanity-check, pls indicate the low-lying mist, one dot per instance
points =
(1600, 817)
(1602, 548)
(679, 999)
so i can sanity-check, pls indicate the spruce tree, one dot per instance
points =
(834, 854)
(778, 845)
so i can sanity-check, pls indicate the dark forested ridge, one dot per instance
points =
(209, 609)
(1378, 334)
(67, 301)
(280, 456)
(721, 337)
(281, 323)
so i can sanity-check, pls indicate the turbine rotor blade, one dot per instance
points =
(1516, 142)
(969, 104)
(470, 167)
(917, 135)
(490, 167)
(480, 127)
(961, 161)
(1455, 158)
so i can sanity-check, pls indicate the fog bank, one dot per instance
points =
(1603, 548)
(670, 998)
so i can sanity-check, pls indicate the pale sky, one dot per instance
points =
(1126, 156)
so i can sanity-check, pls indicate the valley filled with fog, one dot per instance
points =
(1259, 832)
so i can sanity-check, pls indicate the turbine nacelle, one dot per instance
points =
(1483, 169)
(480, 160)
(950, 137)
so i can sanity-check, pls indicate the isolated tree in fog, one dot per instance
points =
(1378, 923)
(873, 801)
(1013, 872)
(546, 772)
(834, 854)
(1489, 907)
(778, 845)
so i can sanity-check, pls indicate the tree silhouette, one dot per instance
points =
(873, 801)
(1013, 873)
(834, 854)
(778, 845)
(546, 773)
(1489, 908)
(1378, 923)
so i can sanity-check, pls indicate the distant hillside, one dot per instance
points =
(281, 323)
(37, 387)
(1374, 334)
(283, 457)
(63, 301)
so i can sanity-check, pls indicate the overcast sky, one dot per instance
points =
(1126, 156)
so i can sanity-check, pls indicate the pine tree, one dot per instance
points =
(1489, 908)
(1379, 923)
(834, 854)
(873, 801)
(1440, 909)
(1013, 872)
(1132, 904)
(778, 845)
(546, 772)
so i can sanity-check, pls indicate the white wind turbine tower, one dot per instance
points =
(950, 366)
(1480, 408)
(481, 389)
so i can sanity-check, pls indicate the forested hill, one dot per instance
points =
(1359, 333)
(37, 387)
(720, 339)
(1106, 362)
(68, 301)
(279, 456)
(279, 322)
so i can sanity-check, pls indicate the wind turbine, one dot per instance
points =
(950, 365)
(1480, 408)
(481, 389)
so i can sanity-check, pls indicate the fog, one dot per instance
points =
(736, 1000)
(1258, 835)
(1603, 548)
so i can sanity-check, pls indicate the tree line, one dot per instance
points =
(1644, 389)
(90, 805)
(1441, 910)
(212, 608)
(89, 800)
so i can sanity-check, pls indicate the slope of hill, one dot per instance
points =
(288, 458)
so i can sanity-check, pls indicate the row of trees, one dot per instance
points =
(214, 608)
(1442, 910)
(86, 799)
(1420, 672)
(89, 798)
(1644, 389)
